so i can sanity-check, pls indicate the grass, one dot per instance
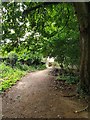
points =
(9, 75)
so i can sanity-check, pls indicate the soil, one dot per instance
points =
(39, 95)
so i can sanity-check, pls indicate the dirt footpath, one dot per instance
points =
(36, 96)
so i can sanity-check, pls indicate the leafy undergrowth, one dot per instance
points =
(67, 76)
(68, 79)
(69, 84)
(9, 75)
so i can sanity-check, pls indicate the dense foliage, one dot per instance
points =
(46, 31)
(35, 30)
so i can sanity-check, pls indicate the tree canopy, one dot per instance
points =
(41, 29)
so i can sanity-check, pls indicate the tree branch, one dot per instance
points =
(27, 11)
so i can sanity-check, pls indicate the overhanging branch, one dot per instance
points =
(28, 10)
(45, 4)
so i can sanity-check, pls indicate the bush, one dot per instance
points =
(22, 66)
(12, 59)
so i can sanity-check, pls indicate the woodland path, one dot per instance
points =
(36, 96)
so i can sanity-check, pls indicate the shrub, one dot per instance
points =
(22, 66)
(12, 59)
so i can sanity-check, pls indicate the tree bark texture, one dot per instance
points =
(83, 14)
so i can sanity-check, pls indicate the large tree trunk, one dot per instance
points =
(82, 12)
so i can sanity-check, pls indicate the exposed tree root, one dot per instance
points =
(70, 95)
(77, 111)
(84, 109)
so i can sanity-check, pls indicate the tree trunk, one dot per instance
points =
(82, 12)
